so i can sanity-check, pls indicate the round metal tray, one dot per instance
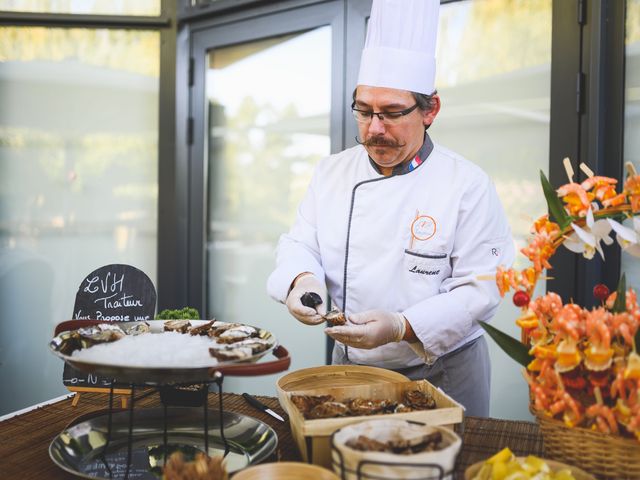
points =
(80, 449)
(158, 375)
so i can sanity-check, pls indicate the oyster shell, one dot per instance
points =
(404, 446)
(181, 326)
(202, 329)
(326, 406)
(236, 334)
(257, 345)
(231, 354)
(418, 443)
(217, 328)
(68, 342)
(363, 406)
(305, 403)
(328, 410)
(419, 400)
(138, 329)
(402, 408)
(335, 317)
(101, 333)
(366, 444)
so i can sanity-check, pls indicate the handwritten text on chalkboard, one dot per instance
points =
(117, 292)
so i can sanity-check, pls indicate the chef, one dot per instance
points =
(397, 230)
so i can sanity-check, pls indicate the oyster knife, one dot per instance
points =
(254, 402)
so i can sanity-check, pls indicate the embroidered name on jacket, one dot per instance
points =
(415, 269)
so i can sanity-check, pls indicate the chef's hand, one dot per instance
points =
(307, 282)
(370, 329)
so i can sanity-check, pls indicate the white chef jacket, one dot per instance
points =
(413, 243)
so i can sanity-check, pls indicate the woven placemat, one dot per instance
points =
(482, 437)
(25, 439)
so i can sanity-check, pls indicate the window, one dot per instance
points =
(78, 182)
(86, 7)
(631, 265)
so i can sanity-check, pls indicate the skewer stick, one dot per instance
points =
(587, 171)
(631, 170)
(489, 276)
(485, 277)
(598, 395)
(568, 168)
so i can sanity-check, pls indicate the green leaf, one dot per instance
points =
(512, 347)
(186, 313)
(637, 338)
(620, 305)
(554, 204)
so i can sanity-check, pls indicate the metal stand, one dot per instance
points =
(217, 378)
(103, 458)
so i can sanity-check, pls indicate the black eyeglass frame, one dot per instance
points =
(380, 115)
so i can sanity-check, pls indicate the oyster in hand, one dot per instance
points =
(335, 317)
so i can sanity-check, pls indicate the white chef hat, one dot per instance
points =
(400, 48)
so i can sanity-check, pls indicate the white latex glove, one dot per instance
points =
(307, 282)
(370, 329)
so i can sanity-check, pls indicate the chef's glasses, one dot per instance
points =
(388, 118)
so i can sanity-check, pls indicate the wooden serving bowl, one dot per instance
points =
(285, 471)
(553, 465)
(331, 376)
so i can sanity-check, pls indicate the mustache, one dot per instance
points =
(379, 142)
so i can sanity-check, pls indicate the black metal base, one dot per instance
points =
(171, 395)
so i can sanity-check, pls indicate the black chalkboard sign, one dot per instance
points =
(116, 292)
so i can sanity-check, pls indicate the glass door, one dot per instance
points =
(264, 96)
(78, 182)
(493, 77)
(630, 265)
(494, 80)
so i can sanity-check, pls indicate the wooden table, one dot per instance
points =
(25, 439)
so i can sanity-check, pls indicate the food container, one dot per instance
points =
(333, 376)
(285, 471)
(313, 437)
(554, 466)
(125, 371)
(353, 464)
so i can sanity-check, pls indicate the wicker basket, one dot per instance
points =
(603, 455)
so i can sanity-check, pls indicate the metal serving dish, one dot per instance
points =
(153, 375)
(80, 449)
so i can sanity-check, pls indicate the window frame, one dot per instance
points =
(587, 123)
(587, 40)
(264, 23)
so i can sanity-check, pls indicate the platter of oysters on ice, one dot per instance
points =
(161, 351)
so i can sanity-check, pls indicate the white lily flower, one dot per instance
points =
(629, 239)
(586, 240)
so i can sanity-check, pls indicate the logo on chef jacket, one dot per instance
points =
(423, 228)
